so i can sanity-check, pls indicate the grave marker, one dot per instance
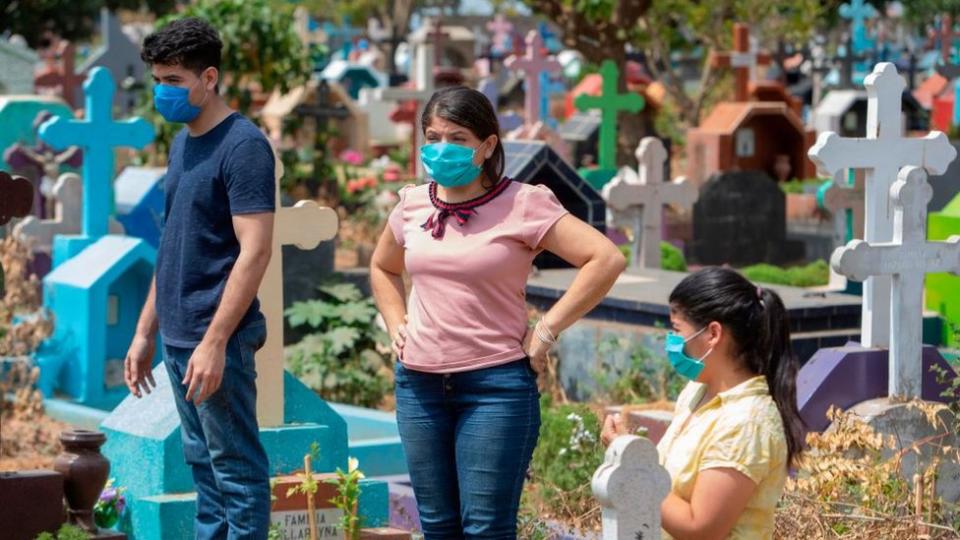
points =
(744, 60)
(502, 31)
(321, 110)
(98, 134)
(609, 102)
(908, 257)
(534, 63)
(636, 200)
(62, 76)
(630, 485)
(857, 12)
(883, 152)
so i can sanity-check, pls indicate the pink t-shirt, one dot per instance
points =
(467, 307)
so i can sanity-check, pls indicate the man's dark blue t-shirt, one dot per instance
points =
(225, 172)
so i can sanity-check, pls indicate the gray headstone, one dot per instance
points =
(740, 219)
(630, 485)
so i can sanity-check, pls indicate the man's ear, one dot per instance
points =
(211, 78)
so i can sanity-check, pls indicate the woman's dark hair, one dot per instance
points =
(191, 43)
(471, 109)
(760, 326)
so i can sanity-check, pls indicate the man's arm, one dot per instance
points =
(205, 369)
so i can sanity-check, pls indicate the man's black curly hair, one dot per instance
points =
(191, 43)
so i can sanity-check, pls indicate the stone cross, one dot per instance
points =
(636, 201)
(501, 29)
(421, 93)
(857, 12)
(744, 60)
(883, 152)
(67, 214)
(908, 258)
(63, 76)
(304, 225)
(97, 134)
(532, 64)
(610, 102)
(630, 485)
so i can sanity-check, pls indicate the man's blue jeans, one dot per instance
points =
(221, 442)
(468, 438)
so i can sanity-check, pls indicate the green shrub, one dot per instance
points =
(567, 454)
(66, 532)
(346, 359)
(811, 275)
(671, 258)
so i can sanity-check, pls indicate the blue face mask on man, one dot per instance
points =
(686, 366)
(173, 103)
(450, 165)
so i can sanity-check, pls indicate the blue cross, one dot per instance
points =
(98, 134)
(857, 11)
(338, 37)
(549, 87)
(550, 40)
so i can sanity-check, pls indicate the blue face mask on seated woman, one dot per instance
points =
(688, 367)
(450, 165)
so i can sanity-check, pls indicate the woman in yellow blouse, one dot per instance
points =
(736, 428)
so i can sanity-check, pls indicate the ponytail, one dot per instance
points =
(724, 296)
(779, 366)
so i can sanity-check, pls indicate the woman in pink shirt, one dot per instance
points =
(467, 399)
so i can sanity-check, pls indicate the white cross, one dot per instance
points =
(421, 94)
(304, 225)
(882, 153)
(533, 63)
(907, 258)
(636, 200)
(67, 216)
(630, 485)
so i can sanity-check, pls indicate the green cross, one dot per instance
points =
(610, 103)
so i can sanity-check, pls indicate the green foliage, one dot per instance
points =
(814, 274)
(646, 377)
(671, 258)
(347, 499)
(66, 532)
(260, 46)
(797, 186)
(345, 359)
(568, 452)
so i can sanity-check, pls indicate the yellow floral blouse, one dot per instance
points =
(739, 429)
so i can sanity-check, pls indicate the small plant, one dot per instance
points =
(110, 506)
(346, 359)
(348, 498)
(814, 274)
(66, 532)
(568, 452)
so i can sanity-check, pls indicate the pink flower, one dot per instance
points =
(351, 157)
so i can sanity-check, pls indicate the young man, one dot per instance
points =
(213, 252)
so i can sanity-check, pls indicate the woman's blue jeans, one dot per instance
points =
(468, 438)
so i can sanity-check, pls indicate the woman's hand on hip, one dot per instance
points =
(399, 338)
(536, 350)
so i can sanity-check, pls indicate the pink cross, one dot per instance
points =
(501, 29)
(532, 64)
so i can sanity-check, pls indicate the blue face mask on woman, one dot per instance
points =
(688, 367)
(450, 165)
(173, 103)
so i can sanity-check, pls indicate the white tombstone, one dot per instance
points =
(908, 257)
(636, 200)
(631, 485)
(304, 225)
(381, 130)
(67, 215)
(882, 153)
